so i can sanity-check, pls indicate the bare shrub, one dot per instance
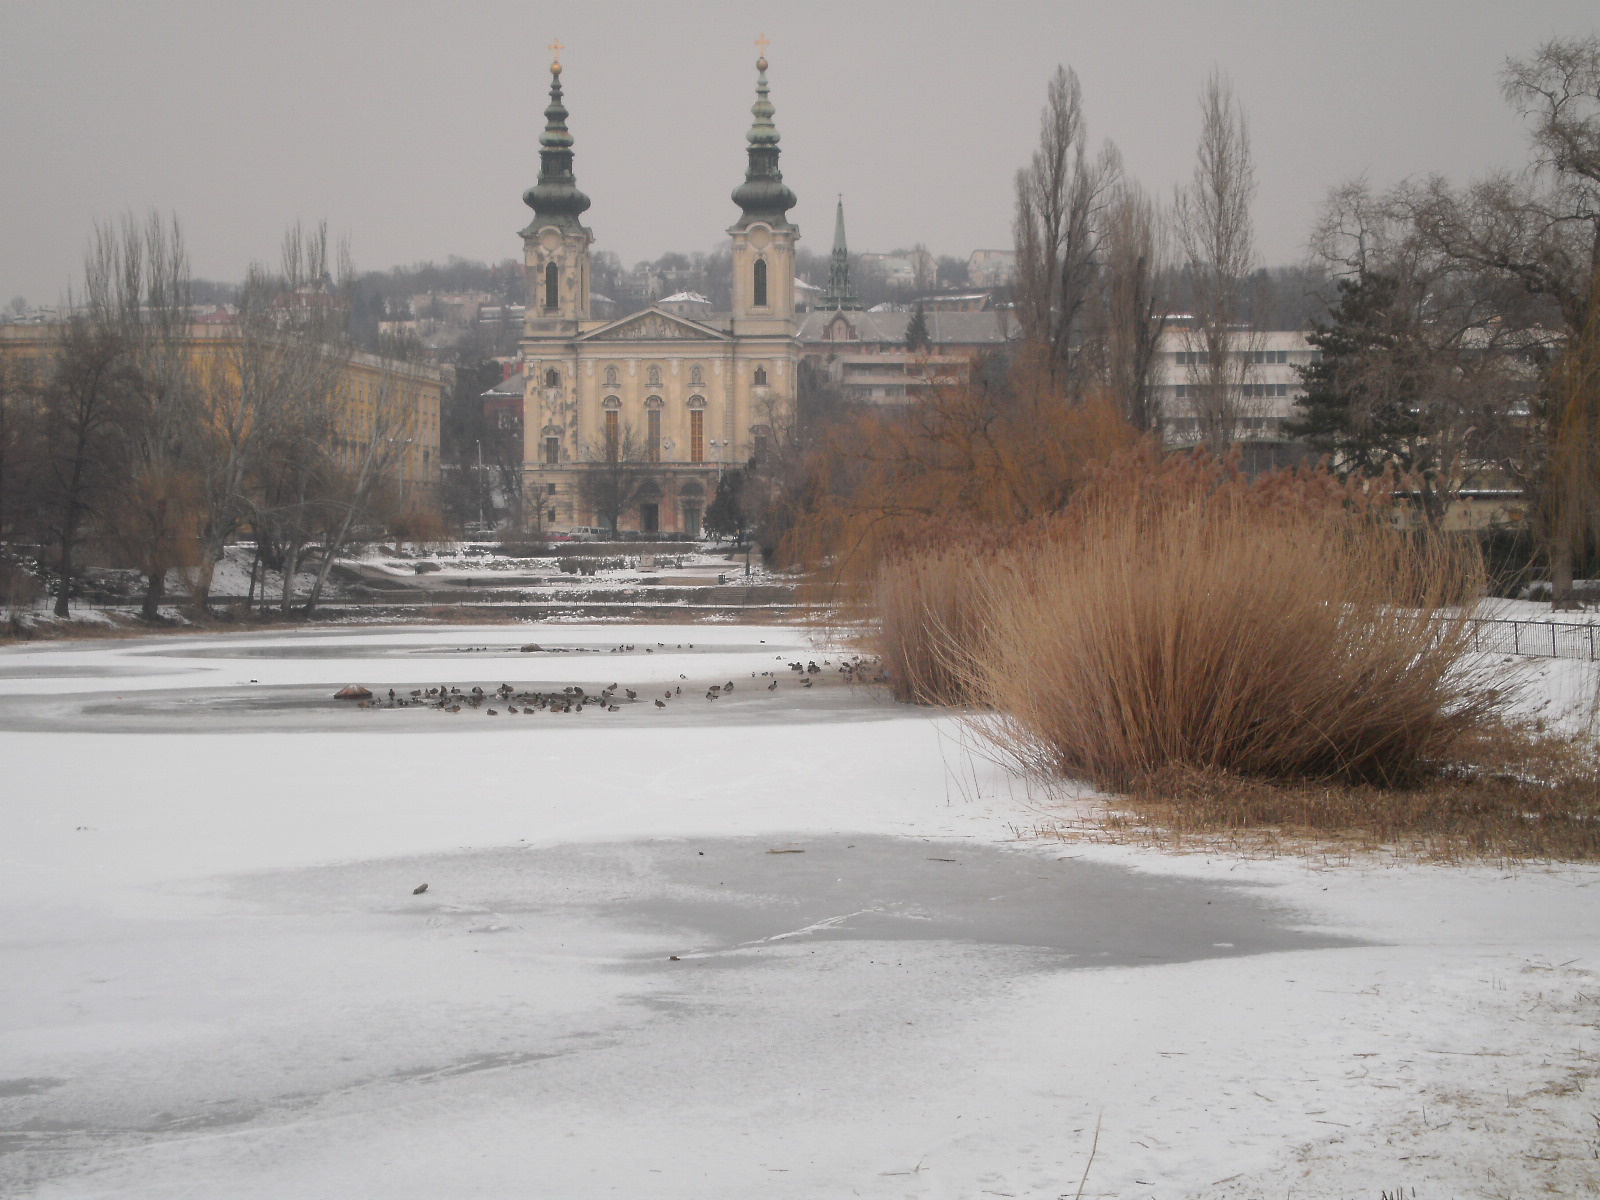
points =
(1179, 615)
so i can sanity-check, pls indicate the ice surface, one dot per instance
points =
(218, 981)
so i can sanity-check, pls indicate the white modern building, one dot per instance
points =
(1264, 390)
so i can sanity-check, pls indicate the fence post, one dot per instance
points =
(1516, 638)
(1553, 653)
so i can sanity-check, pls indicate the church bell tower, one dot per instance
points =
(763, 238)
(556, 243)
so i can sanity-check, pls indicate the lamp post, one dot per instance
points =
(478, 481)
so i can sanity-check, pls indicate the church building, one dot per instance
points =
(633, 420)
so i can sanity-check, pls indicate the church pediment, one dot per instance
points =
(653, 325)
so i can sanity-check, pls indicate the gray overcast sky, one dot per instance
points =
(412, 126)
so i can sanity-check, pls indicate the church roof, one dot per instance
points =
(654, 324)
(944, 328)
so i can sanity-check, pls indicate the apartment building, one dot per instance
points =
(1262, 394)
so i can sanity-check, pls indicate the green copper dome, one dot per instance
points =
(555, 199)
(763, 195)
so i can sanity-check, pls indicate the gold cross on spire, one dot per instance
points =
(763, 42)
(555, 52)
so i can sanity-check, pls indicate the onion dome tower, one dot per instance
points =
(555, 242)
(763, 237)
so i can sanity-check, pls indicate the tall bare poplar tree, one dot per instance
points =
(1218, 243)
(1136, 255)
(1061, 196)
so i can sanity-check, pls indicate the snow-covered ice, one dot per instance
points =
(218, 980)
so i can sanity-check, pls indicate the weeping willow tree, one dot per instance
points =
(1571, 499)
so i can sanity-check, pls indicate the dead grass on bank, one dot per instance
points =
(1541, 805)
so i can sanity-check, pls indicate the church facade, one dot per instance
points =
(632, 421)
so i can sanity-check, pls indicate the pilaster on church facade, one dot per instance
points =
(673, 401)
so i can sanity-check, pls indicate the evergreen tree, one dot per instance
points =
(917, 331)
(1361, 402)
(725, 517)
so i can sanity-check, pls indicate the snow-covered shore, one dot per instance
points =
(218, 980)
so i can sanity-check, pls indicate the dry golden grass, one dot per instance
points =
(1262, 660)
(1204, 623)
(1511, 798)
(926, 603)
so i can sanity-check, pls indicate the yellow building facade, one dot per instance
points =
(672, 400)
(370, 397)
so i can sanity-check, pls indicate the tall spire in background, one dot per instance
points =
(555, 199)
(762, 195)
(839, 293)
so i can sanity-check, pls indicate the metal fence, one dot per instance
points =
(1536, 639)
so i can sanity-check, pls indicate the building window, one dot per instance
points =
(697, 435)
(652, 376)
(552, 286)
(552, 452)
(761, 283)
(552, 378)
(613, 433)
(697, 376)
(549, 489)
(551, 516)
(611, 377)
(653, 434)
(761, 377)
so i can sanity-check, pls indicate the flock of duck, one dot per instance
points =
(575, 699)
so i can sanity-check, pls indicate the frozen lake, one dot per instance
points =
(785, 943)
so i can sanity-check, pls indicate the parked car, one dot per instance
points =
(590, 533)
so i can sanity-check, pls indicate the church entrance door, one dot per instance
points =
(650, 518)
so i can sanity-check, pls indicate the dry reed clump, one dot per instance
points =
(930, 622)
(1193, 620)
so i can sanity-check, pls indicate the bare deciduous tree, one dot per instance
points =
(137, 283)
(264, 402)
(1217, 238)
(1135, 302)
(617, 473)
(1061, 196)
(368, 463)
(86, 404)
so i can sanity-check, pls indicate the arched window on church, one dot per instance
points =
(697, 429)
(697, 376)
(552, 378)
(761, 283)
(611, 377)
(652, 426)
(761, 377)
(652, 377)
(612, 414)
(552, 286)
